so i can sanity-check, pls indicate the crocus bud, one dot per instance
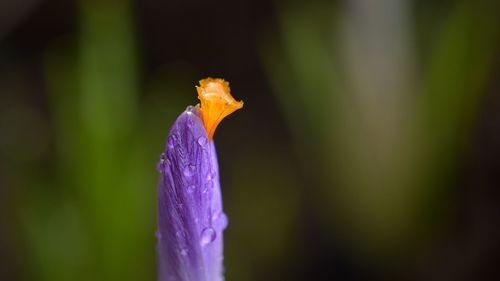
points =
(190, 215)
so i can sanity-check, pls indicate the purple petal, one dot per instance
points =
(190, 215)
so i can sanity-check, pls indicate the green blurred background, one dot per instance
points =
(368, 147)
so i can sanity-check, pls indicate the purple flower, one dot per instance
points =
(190, 216)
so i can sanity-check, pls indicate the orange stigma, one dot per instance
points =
(216, 103)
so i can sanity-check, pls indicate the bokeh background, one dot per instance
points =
(368, 147)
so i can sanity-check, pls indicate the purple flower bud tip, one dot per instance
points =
(190, 216)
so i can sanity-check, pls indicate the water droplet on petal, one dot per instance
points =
(191, 188)
(163, 158)
(202, 141)
(223, 221)
(208, 235)
(189, 108)
(210, 176)
(179, 233)
(189, 170)
(158, 234)
(220, 218)
(183, 252)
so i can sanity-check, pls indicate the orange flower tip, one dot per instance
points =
(216, 103)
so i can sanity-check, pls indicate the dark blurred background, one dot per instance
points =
(368, 147)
